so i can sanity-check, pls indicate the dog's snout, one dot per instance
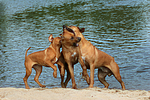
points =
(79, 38)
(64, 26)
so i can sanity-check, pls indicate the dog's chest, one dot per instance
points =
(83, 57)
(55, 60)
(74, 56)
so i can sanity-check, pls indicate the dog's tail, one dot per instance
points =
(27, 51)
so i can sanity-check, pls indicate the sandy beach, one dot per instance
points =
(72, 94)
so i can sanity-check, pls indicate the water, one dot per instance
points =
(119, 28)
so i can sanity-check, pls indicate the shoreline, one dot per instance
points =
(72, 94)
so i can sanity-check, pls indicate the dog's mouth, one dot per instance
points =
(75, 44)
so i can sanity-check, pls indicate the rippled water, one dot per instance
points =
(119, 28)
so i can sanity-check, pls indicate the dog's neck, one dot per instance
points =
(83, 41)
(56, 49)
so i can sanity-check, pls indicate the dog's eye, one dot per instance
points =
(71, 38)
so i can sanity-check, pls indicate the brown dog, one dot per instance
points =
(71, 54)
(47, 58)
(94, 58)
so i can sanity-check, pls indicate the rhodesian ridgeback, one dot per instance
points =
(71, 54)
(47, 58)
(94, 58)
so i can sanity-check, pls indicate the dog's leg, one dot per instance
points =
(115, 70)
(92, 68)
(53, 67)
(84, 73)
(68, 77)
(28, 73)
(62, 70)
(38, 69)
(118, 77)
(62, 77)
(72, 75)
(101, 77)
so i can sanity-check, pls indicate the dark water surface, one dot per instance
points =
(120, 28)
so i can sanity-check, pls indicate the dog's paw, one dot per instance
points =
(84, 75)
(28, 87)
(55, 74)
(74, 87)
(43, 86)
(91, 86)
(62, 71)
(88, 80)
(63, 85)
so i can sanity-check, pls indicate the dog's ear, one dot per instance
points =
(62, 38)
(60, 34)
(50, 38)
(81, 30)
